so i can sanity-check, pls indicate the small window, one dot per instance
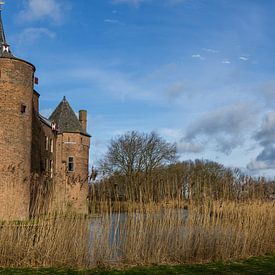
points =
(23, 108)
(51, 169)
(46, 165)
(51, 145)
(71, 164)
(46, 143)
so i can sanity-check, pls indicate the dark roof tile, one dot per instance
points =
(66, 118)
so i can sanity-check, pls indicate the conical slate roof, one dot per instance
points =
(3, 41)
(66, 118)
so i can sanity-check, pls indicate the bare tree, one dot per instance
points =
(136, 152)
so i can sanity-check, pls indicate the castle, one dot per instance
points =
(44, 162)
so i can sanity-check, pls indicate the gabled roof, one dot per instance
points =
(66, 119)
(45, 120)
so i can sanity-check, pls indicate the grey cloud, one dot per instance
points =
(266, 138)
(267, 90)
(176, 90)
(266, 135)
(224, 127)
(267, 155)
(265, 160)
(229, 120)
(189, 147)
(227, 144)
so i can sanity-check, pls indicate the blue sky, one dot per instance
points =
(199, 72)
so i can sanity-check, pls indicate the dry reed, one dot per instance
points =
(197, 214)
(151, 234)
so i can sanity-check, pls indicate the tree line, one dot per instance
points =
(142, 167)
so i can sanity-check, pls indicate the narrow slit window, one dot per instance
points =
(46, 143)
(23, 108)
(51, 169)
(71, 164)
(51, 145)
(46, 165)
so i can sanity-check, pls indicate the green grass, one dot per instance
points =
(260, 265)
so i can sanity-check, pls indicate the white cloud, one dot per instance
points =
(171, 134)
(41, 9)
(31, 35)
(226, 61)
(117, 83)
(198, 56)
(243, 58)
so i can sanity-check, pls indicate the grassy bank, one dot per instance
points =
(260, 265)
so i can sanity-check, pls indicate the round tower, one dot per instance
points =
(16, 111)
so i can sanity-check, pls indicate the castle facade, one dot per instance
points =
(44, 161)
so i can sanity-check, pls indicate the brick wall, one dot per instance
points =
(71, 188)
(16, 111)
(23, 168)
(43, 167)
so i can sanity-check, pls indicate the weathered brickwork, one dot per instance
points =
(44, 162)
(16, 111)
(71, 188)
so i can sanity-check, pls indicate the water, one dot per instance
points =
(111, 231)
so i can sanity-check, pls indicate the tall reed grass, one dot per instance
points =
(188, 212)
(149, 234)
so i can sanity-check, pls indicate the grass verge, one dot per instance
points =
(258, 265)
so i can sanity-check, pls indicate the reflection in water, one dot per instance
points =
(112, 231)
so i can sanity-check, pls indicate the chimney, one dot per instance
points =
(36, 96)
(83, 119)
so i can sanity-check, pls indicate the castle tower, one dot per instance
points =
(72, 154)
(16, 110)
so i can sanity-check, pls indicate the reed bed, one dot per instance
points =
(155, 233)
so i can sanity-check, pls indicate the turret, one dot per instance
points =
(75, 140)
(73, 144)
(16, 111)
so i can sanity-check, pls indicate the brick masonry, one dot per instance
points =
(35, 178)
